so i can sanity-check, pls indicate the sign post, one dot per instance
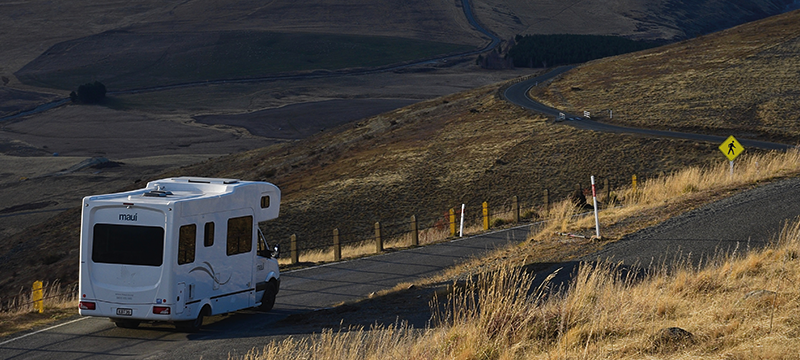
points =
(731, 148)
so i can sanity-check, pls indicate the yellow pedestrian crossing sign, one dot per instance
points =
(731, 148)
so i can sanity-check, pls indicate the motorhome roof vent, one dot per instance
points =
(157, 193)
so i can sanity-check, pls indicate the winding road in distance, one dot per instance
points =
(518, 94)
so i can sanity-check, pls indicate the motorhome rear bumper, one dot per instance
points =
(132, 311)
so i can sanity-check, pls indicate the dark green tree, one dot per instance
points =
(89, 93)
(561, 49)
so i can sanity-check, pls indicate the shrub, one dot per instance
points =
(560, 49)
(89, 93)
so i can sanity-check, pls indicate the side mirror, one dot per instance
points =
(276, 252)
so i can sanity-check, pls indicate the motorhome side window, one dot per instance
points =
(240, 235)
(208, 234)
(186, 243)
(128, 244)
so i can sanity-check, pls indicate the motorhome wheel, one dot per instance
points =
(268, 300)
(193, 325)
(126, 324)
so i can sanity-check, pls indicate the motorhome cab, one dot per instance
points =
(178, 250)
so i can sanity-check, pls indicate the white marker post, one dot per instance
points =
(461, 231)
(731, 169)
(596, 218)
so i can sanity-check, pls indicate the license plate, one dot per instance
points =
(124, 312)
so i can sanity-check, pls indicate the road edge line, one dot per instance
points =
(41, 331)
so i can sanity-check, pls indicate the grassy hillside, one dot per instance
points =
(426, 158)
(35, 26)
(743, 81)
(639, 19)
(423, 159)
(131, 59)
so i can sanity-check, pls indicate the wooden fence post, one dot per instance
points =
(515, 208)
(414, 231)
(607, 190)
(38, 297)
(378, 239)
(337, 246)
(295, 255)
(452, 222)
(485, 215)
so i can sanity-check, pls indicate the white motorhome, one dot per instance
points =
(178, 250)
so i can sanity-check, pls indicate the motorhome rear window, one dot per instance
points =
(128, 244)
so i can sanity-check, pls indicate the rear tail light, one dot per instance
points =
(87, 305)
(161, 310)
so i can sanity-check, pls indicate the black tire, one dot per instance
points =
(193, 326)
(126, 324)
(268, 299)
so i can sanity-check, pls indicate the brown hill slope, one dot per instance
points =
(423, 159)
(743, 81)
(641, 19)
(34, 26)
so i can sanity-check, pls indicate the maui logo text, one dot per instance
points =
(128, 217)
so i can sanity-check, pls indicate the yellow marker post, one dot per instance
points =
(633, 178)
(731, 148)
(38, 297)
(485, 215)
(452, 222)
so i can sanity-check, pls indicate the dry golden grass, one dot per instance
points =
(59, 302)
(677, 187)
(740, 306)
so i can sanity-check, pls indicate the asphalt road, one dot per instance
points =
(745, 221)
(301, 291)
(518, 94)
